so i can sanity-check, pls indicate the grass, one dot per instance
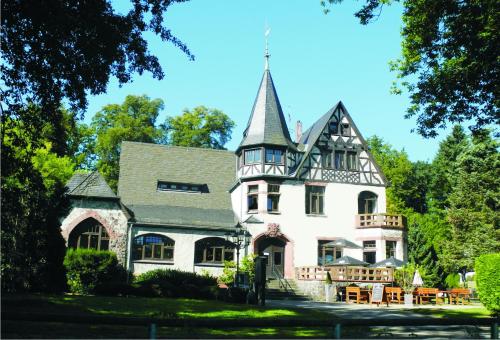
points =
(147, 307)
(473, 312)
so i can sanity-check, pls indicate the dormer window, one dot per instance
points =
(274, 156)
(252, 156)
(333, 127)
(181, 187)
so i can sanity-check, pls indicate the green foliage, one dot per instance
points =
(448, 60)
(487, 268)
(134, 120)
(201, 127)
(404, 277)
(328, 279)
(87, 269)
(228, 273)
(452, 280)
(54, 169)
(176, 283)
(248, 266)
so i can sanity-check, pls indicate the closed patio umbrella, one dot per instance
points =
(417, 279)
(347, 261)
(342, 243)
(390, 262)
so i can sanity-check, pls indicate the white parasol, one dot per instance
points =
(417, 279)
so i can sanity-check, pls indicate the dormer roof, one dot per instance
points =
(267, 124)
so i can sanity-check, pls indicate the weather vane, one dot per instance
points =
(266, 55)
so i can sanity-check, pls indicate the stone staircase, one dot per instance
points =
(275, 292)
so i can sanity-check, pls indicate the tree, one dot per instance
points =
(444, 167)
(134, 120)
(449, 60)
(404, 190)
(202, 127)
(474, 204)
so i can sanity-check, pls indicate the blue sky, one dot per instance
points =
(316, 60)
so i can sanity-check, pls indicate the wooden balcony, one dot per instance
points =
(380, 221)
(345, 274)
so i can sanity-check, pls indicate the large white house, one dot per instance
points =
(175, 205)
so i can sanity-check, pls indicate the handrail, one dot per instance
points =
(281, 280)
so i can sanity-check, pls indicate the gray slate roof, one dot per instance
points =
(89, 184)
(183, 216)
(267, 124)
(142, 165)
(347, 261)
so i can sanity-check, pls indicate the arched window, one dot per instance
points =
(214, 250)
(89, 234)
(153, 247)
(367, 202)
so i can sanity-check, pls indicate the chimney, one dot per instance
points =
(298, 131)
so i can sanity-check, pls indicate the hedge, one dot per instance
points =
(487, 268)
(87, 270)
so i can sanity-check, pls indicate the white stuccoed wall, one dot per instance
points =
(341, 206)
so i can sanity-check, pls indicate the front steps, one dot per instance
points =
(275, 292)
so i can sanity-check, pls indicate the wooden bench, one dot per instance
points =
(460, 295)
(393, 294)
(354, 293)
(424, 295)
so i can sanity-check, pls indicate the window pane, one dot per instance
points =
(369, 257)
(334, 127)
(168, 253)
(369, 244)
(352, 160)
(228, 255)
(84, 241)
(148, 251)
(338, 254)
(320, 208)
(273, 188)
(269, 155)
(339, 160)
(210, 254)
(157, 251)
(314, 204)
(253, 188)
(137, 253)
(94, 241)
(390, 248)
(256, 155)
(104, 244)
(218, 254)
(327, 159)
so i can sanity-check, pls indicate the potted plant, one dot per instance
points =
(328, 287)
(404, 279)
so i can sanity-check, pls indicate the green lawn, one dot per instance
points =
(147, 307)
(474, 312)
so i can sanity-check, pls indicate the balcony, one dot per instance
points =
(380, 221)
(345, 274)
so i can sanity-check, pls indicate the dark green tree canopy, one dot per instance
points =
(201, 127)
(449, 60)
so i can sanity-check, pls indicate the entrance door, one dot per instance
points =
(275, 261)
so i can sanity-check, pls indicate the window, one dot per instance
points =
(345, 129)
(253, 197)
(182, 187)
(252, 156)
(367, 202)
(213, 250)
(339, 160)
(274, 156)
(153, 247)
(390, 249)
(333, 127)
(89, 234)
(327, 254)
(352, 160)
(369, 251)
(327, 159)
(273, 197)
(315, 200)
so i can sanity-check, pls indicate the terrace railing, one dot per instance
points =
(380, 221)
(346, 274)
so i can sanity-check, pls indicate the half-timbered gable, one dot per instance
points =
(337, 152)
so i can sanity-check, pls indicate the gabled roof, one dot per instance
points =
(311, 135)
(190, 217)
(90, 184)
(142, 165)
(267, 124)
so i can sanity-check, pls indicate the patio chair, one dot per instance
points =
(393, 294)
(352, 292)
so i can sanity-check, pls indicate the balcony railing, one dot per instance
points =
(346, 274)
(380, 221)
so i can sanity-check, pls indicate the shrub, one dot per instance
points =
(487, 269)
(404, 277)
(176, 283)
(228, 273)
(452, 280)
(87, 269)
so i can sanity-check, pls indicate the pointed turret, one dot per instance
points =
(267, 124)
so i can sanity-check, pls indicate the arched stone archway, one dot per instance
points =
(89, 234)
(279, 248)
(82, 217)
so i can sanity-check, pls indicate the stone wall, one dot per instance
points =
(315, 289)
